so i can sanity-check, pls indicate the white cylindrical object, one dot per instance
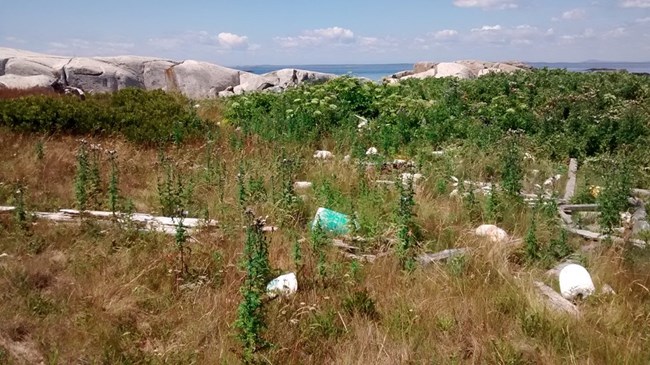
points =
(575, 282)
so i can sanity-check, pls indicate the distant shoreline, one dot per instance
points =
(378, 71)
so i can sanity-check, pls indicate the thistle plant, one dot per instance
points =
(181, 239)
(174, 192)
(251, 313)
(512, 172)
(532, 246)
(296, 255)
(82, 177)
(20, 214)
(318, 241)
(113, 182)
(405, 226)
(40, 153)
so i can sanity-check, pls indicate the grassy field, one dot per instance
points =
(101, 291)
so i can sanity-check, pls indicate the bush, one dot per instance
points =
(141, 116)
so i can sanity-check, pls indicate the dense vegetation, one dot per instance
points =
(93, 291)
(141, 116)
(565, 114)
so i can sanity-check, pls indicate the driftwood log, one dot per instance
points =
(555, 301)
(147, 222)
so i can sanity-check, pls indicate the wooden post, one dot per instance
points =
(570, 189)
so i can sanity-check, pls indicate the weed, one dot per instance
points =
(613, 198)
(456, 265)
(360, 303)
(113, 183)
(406, 226)
(532, 246)
(181, 239)
(174, 192)
(40, 150)
(512, 172)
(559, 248)
(319, 242)
(251, 314)
(296, 255)
(82, 177)
(20, 215)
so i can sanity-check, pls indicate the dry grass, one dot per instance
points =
(90, 292)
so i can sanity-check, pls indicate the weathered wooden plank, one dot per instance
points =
(565, 217)
(429, 258)
(600, 237)
(570, 189)
(579, 207)
(555, 301)
(641, 192)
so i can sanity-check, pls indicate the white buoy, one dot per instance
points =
(493, 232)
(575, 282)
(286, 284)
(302, 184)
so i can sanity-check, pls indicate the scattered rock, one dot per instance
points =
(494, 233)
(323, 155)
(371, 151)
(607, 290)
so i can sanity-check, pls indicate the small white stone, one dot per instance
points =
(371, 151)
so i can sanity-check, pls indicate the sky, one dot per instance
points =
(274, 32)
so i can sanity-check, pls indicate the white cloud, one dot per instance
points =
(616, 33)
(223, 41)
(12, 39)
(333, 33)
(232, 41)
(487, 4)
(337, 37)
(588, 33)
(445, 34)
(319, 37)
(635, 3)
(487, 28)
(643, 20)
(519, 35)
(83, 47)
(574, 14)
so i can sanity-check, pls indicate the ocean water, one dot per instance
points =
(378, 71)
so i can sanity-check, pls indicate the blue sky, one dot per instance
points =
(249, 32)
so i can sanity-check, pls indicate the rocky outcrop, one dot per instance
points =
(23, 69)
(466, 69)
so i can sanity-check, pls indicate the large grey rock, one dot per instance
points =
(26, 67)
(452, 69)
(465, 69)
(252, 82)
(157, 74)
(107, 74)
(26, 82)
(287, 77)
(423, 66)
(93, 75)
(201, 79)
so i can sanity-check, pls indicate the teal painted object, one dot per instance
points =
(331, 221)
